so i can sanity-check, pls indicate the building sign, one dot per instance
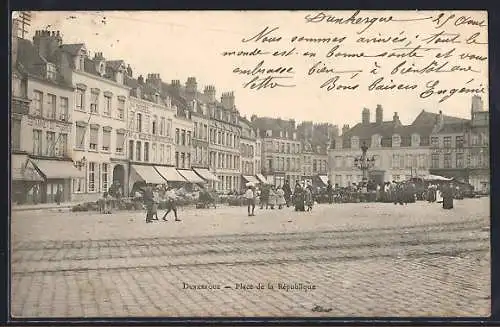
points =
(52, 125)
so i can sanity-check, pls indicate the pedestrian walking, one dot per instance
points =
(309, 200)
(329, 191)
(298, 197)
(447, 197)
(148, 202)
(171, 204)
(156, 203)
(272, 197)
(280, 198)
(250, 197)
(264, 196)
(287, 193)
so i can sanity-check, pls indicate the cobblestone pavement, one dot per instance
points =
(341, 260)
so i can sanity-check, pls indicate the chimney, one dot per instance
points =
(345, 129)
(440, 119)
(140, 80)
(176, 85)
(47, 42)
(365, 116)
(154, 81)
(227, 100)
(191, 85)
(379, 114)
(395, 118)
(210, 93)
(292, 123)
(477, 104)
(253, 118)
(129, 71)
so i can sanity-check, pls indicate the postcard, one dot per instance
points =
(250, 164)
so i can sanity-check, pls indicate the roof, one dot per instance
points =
(453, 128)
(423, 124)
(72, 49)
(114, 64)
(31, 63)
(275, 125)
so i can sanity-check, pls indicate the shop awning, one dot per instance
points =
(24, 170)
(148, 174)
(324, 179)
(251, 179)
(190, 176)
(56, 169)
(436, 178)
(262, 178)
(170, 174)
(206, 175)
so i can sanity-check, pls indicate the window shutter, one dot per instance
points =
(106, 139)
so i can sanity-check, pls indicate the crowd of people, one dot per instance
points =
(302, 197)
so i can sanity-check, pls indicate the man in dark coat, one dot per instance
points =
(288, 192)
(148, 202)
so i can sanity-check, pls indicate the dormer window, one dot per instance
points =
(81, 60)
(102, 68)
(157, 98)
(415, 140)
(396, 140)
(376, 141)
(119, 77)
(51, 71)
(269, 133)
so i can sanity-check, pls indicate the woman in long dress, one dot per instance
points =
(272, 197)
(280, 198)
(447, 197)
(309, 200)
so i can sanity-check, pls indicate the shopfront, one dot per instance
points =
(26, 181)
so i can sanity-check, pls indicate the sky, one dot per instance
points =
(181, 44)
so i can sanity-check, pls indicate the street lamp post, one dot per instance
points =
(364, 163)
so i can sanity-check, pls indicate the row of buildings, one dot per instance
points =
(81, 122)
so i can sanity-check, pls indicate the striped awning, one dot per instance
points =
(251, 179)
(58, 169)
(206, 175)
(190, 176)
(170, 174)
(148, 174)
(262, 178)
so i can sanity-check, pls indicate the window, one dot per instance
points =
(435, 160)
(94, 135)
(107, 105)
(169, 127)
(188, 141)
(80, 99)
(121, 109)
(162, 149)
(460, 160)
(78, 185)
(424, 141)
(106, 140)
(80, 137)
(63, 109)
(447, 160)
(16, 134)
(395, 161)
(51, 106)
(50, 144)
(409, 161)
(94, 102)
(63, 145)
(138, 151)
(183, 160)
(162, 126)
(435, 141)
(154, 128)
(188, 160)
(51, 71)
(183, 137)
(146, 124)
(146, 151)
(131, 150)
(153, 152)
(459, 141)
(421, 161)
(177, 136)
(37, 142)
(91, 183)
(120, 141)
(138, 123)
(447, 141)
(168, 154)
(104, 177)
(195, 130)
(37, 103)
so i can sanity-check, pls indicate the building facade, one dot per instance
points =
(224, 144)
(400, 151)
(478, 147)
(100, 120)
(149, 128)
(281, 150)
(249, 149)
(41, 122)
